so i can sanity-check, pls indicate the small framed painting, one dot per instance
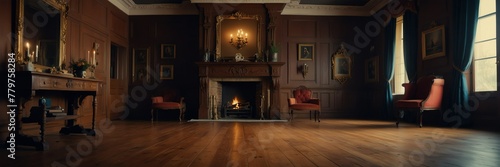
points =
(168, 51)
(306, 51)
(140, 62)
(433, 43)
(371, 69)
(167, 72)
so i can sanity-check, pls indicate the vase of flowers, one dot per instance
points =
(79, 67)
(273, 49)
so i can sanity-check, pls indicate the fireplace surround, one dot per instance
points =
(212, 74)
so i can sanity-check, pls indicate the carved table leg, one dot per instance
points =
(42, 145)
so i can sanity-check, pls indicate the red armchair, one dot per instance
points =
(426, 94)
(302, 100)
(158, 103)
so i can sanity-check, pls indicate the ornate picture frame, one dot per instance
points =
(168, 51)
(341, 65)
(372, 69)
(166, 72)
(230, 24)
(305, 51)
(140, 64)
(433, 43)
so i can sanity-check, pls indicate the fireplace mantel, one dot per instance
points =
(268, 71)
(240, 69)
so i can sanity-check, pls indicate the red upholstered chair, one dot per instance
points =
(302, 100)
(158, 103)
(426, 94)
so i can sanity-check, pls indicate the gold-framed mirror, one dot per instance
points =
(341, 65)
(229, 27)
(41, 32)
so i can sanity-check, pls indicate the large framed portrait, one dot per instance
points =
(140, 63)
(341, 65)
(168, 51)
(167, 72)
(306, 51)
(433, 43)
(372, 69)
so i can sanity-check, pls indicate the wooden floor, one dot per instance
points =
(332, 142)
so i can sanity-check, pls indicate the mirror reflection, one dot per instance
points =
(237, 34)
(40, 31)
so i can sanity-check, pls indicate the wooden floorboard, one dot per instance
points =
(302, 142)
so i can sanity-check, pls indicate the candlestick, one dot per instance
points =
(36, 54)
(28, 46)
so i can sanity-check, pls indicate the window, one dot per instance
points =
(485, 50)
(400, 76)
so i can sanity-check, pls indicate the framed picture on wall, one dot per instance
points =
(341, 65)
(167, 72)
(372, 69)
(433, 43)
(140, 62)
(306, 51)
(168, 51)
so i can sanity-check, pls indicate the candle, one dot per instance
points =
(32, 54)
(28, 46)
(93, 59)
(88, 54)
(36, 54)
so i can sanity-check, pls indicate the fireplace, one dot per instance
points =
(260, 79)
(240, 99)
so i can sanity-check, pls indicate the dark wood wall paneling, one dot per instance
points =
(152, 31)
(326, 33)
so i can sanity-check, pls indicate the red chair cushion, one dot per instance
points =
(304, 106)
(409, 103)
(302, 95)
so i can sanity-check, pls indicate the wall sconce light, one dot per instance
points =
(305, 70)
(240, 41)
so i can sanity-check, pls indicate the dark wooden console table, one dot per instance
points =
(30, 84)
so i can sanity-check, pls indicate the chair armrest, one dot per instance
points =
(409, 93)
(314, 101)
(291, 101)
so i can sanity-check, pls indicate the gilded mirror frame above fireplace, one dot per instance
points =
(230, 24)
(62, 7)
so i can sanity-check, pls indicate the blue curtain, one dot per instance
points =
(410, 43)
(390, 35)
(465, 14)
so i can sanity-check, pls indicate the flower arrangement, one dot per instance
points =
(273, 48)
(80, 65)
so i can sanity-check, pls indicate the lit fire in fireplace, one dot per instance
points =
(235, 103)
